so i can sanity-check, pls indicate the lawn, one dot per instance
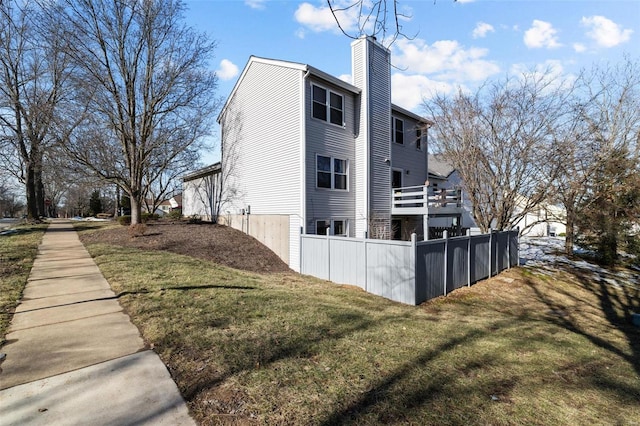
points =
(527, 347)
(17, 253)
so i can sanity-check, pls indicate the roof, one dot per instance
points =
(205, 171)
(439, 167)
(408, 113)
(308, 69)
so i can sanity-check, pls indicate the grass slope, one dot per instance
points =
(250, 348)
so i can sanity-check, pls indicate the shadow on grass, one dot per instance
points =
(404, 392)
(251, 352)
(617, 304)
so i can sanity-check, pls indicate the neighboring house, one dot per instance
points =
(165, 207)
(306, 152)
(546, 220)
(199, 192)
(442, 176)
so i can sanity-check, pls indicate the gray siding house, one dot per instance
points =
(305, 152)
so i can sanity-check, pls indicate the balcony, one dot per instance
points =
(424, 200)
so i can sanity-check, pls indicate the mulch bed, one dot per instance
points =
(216, 243)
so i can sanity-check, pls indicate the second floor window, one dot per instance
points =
(331, 173)
(419, 139)
(397, 130)
(327, 106)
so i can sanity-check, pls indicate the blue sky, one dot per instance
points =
(455, 44)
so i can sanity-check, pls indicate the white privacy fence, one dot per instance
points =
(408, 272)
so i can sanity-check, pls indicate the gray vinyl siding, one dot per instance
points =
(361, 138)
(407, 157)
(324, 138)
(379, 122)
(262, 124)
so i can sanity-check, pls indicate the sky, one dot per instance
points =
(451, 44)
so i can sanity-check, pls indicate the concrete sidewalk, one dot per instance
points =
(72, 355)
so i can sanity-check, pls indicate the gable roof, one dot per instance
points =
(399, 109)
(439, 167)
(205, 171)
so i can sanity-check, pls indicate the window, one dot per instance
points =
(331, 173)
(321, 226)
(397, 130)
(419, 139)
(331, 109)
(337, 227)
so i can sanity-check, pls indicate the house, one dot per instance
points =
(304, 152)
(546, 220)
(199, 192)
(166, 206)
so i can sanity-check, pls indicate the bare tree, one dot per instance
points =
(32, 73)
(142, 87)
(600, 156)
(500, 139)
(377, 18)
(161, 179)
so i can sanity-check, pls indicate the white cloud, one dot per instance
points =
(466, 1)
(444, 60)
(300, 33)
(409, 91)
(227, 70)
(541, 34)
(605, 32)
(321, 19)
(481, 30)
(347, 78)
(255, 4)
(579, 47)
(550, 72)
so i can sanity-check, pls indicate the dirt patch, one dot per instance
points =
(216, 243)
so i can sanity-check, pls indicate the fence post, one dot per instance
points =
(445, 235)
(414, 254)
(328, 253)
(300, 250)
(509, 250)
(366, 264)
(490, 250)
(518, 246)
(468, 257)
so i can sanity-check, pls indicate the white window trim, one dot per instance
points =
(332, 222)
(333, 174)
(393, 130)
(327, 104)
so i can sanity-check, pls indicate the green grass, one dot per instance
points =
(17, 253)
(289, 349)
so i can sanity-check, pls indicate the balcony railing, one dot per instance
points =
(425, 200)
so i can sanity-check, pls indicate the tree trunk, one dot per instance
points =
(570, 237)
(136, 209)
(32, 205)
(39, 187)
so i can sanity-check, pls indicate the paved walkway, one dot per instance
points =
(72, 355)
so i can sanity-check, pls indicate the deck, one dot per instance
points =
(424, 200)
